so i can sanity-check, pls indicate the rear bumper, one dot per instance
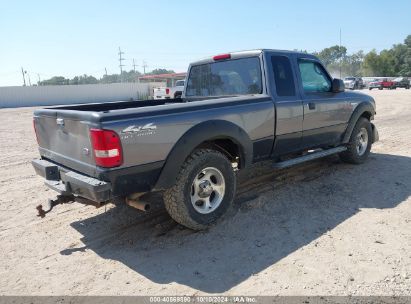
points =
(68, 182)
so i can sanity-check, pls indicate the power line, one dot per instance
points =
(28, 75)
(134, 66)
(24, 78)
(144, 66)
(120, 60)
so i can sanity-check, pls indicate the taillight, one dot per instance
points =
(35, 130)
(167, 91)
(222, 57)
(107, 148)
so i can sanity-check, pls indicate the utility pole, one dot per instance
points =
(144, 66)
(38, 76)
(24, 78)
(105, 69)
(120, 59)
(134, 66)
(340, 55)
(28, 75)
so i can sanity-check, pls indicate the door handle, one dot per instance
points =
(311, 105)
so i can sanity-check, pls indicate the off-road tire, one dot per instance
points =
(351, 154)
(177, 199)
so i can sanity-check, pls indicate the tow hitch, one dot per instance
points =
(64, 199)
(61, 199)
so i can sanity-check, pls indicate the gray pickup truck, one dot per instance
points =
(237, 109)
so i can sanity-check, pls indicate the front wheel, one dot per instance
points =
(204, 190)
(359, 146)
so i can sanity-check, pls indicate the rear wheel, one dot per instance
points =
(359, 146)
(204, 190)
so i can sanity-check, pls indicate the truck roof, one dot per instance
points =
(248, 53)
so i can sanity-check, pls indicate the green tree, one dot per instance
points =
(84, 79)
(332, 54)
(56, 80)
(405, 67)
(130, 76)
(372, 64)
(160, 71)
(111, 78)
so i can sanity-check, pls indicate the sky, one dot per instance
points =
(69, 38)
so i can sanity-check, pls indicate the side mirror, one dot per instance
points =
(338, 85)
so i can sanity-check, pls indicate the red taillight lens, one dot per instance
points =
(222, 57)
(35, 130)
(167, 91)
(107, 148)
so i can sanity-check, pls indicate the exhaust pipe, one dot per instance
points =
(133, 201)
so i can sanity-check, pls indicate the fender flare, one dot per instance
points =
(202, 132)
(364, 107)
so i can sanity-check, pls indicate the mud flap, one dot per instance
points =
(375, 135)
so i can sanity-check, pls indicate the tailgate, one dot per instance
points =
(159, 93)
(65, 141)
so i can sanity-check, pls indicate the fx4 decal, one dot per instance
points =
(137, 129)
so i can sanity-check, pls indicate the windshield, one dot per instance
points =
(233, 77)
(180, 83)
(349, 78)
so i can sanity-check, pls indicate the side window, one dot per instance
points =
(283, 76)
(314, 77)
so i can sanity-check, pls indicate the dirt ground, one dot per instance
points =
(323, 228)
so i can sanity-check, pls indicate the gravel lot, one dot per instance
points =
(323, 228)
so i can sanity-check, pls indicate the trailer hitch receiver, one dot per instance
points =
(61, 199)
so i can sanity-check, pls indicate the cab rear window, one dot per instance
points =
(225, 78)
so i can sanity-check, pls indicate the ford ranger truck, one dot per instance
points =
(237, 109)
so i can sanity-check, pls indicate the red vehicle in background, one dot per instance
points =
(382, 84)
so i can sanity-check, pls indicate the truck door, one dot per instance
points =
(324, 111)
(289, 107)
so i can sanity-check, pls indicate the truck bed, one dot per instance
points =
(115, 105)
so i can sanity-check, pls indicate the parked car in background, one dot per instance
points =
(177, 90)
(375, 84)
(353, 83)
(402, 82)
(161, 93)
(169, 93)
(382, 84)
